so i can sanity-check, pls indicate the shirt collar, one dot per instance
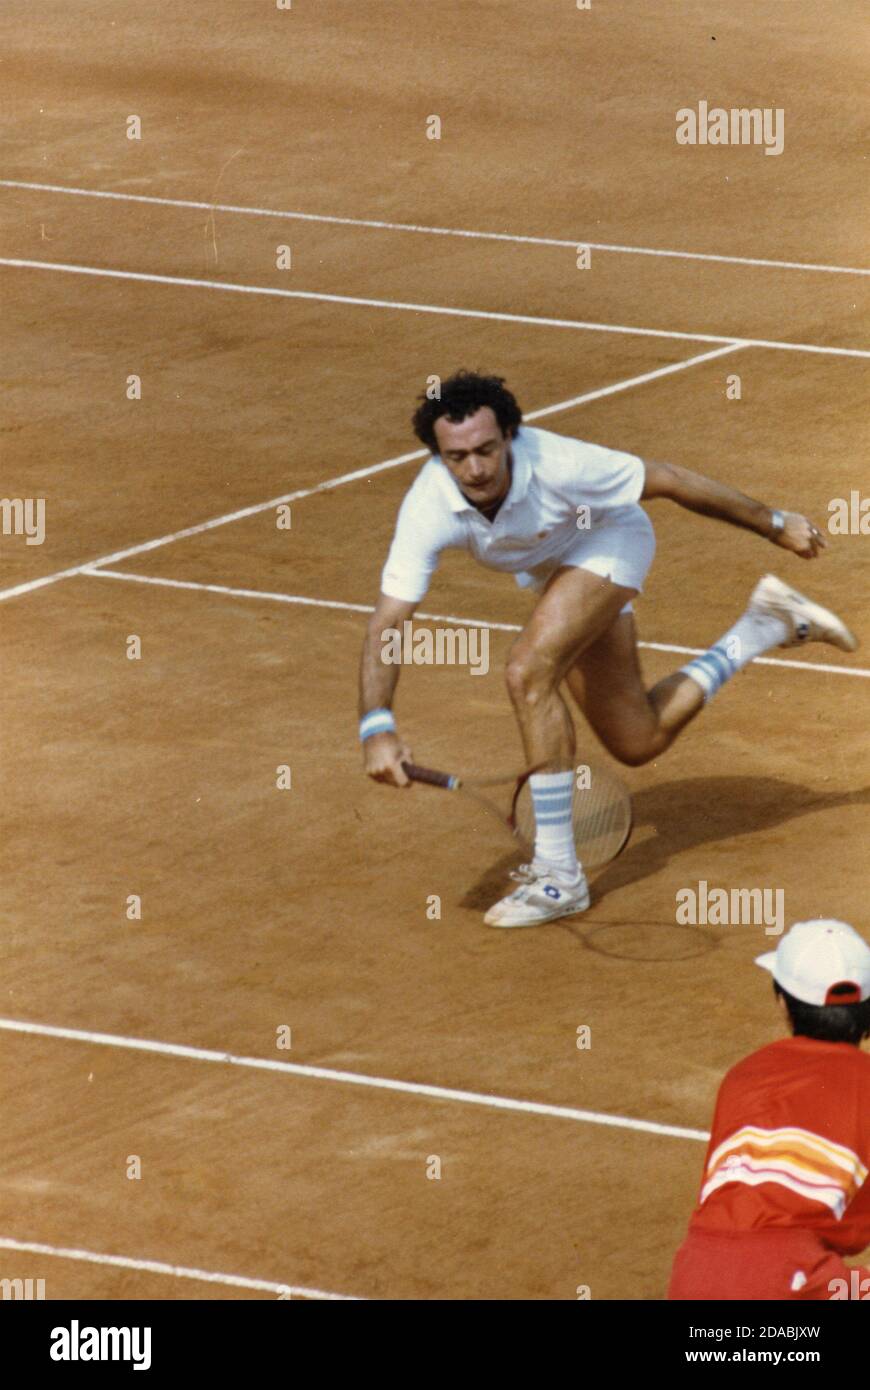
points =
(522, 472)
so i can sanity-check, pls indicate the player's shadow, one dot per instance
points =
(683, 815)
(697, 811)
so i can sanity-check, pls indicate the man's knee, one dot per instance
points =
(634, 754)
(528, 675)
(634, 748)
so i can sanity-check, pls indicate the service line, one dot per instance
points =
(88, 565)
(450, 311)
(431, 231)
(438, 618)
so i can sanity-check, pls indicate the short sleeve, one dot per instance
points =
(416, 546)
(608, 477)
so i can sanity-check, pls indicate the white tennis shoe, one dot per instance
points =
(807, 621)
(541, 897)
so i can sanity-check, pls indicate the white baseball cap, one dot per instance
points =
(814, 957)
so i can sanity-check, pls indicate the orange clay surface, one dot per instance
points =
(307, 907)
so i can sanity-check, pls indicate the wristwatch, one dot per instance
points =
(777, 522)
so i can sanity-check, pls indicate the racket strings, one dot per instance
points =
(601, 817)
(601, 812)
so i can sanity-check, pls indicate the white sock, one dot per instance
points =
(751, 636)
(553, 795)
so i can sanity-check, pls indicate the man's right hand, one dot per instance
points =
(383, 755)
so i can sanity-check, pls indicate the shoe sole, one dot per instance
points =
(540, 921)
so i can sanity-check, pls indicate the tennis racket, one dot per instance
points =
(601, 808)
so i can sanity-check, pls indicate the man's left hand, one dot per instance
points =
(801, 536)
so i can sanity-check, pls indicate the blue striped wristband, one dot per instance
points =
(377, 721)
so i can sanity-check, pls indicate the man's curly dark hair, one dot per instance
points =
(462, 395)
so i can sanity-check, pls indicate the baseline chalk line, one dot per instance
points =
(352, 1078)
(204, 1276)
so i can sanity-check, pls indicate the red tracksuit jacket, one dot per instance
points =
(789, 1154)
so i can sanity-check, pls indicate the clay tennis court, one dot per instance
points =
(308, 1168)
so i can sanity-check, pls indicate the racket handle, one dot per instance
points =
(430, 776)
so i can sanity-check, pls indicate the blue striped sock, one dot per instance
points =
(553, 796)
(711, 670)
(752, 634)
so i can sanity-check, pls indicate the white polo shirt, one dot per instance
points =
(552, 476)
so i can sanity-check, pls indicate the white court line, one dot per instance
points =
(353, 1078)
(431, 231)
(204, 1276)
(492, 315)
(330, 483)
(201, 526)
(440, 618)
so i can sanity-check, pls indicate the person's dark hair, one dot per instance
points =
(846, 1023)
(461, 395)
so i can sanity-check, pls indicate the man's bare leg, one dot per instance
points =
(579, 635)
(572, 614)
(637, 725)
(574, 611)
(576, 608)
(633, 723)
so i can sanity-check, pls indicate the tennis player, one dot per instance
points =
(564, 518)
(785, 1192)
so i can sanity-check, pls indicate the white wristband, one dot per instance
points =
(777, 521)
(377, 721)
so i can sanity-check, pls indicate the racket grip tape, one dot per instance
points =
(430, 776)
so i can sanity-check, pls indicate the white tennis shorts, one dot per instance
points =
(619, 548)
